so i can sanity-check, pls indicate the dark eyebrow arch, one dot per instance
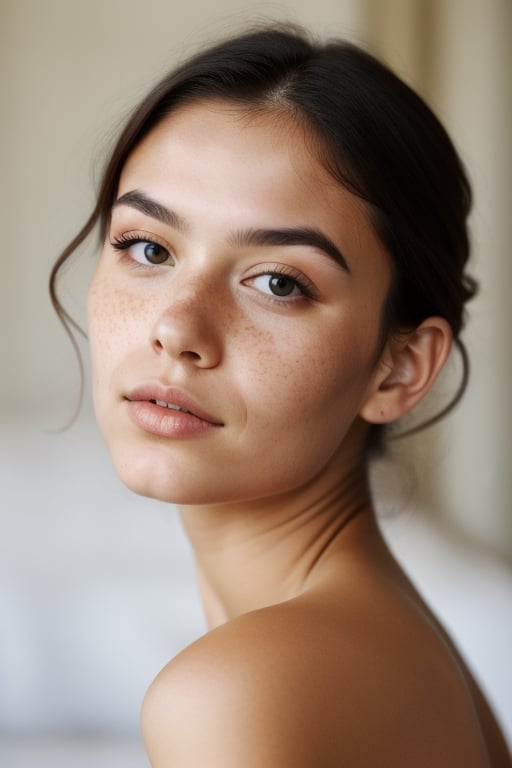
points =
(147, 206)
(287, 236)
(292, 236)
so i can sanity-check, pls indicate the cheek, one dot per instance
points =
(315, 376)
(262, 357)
(113, 320)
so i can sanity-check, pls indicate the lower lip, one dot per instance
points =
(167, 422)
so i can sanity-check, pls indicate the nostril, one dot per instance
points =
(191, 355)
(188, 354)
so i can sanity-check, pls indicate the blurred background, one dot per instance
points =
(96, 585)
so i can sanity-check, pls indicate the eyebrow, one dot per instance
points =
(149, 207)
(287, 236)
(292, 236)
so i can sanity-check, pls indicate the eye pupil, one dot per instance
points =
(155, 254)
(281, 286)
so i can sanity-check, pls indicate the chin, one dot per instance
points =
(166, 481)
(152, 482)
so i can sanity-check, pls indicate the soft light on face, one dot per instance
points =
(222, 286)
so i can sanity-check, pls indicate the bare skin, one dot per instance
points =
(320, 652)
(346, 666)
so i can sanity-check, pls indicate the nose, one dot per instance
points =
(188, 329)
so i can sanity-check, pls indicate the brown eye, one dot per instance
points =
(145, 252)
(155, 254)
(281, 286)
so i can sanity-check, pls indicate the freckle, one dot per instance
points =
(258, 347)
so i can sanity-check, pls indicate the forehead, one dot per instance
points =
(259, 145)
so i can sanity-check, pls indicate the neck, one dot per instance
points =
(259, 553)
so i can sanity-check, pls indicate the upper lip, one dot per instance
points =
(171, 396)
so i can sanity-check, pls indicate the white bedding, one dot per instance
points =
(72, 753)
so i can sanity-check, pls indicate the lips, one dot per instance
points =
(173, 407)
(171, 399)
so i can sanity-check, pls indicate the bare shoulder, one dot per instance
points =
(236, 697)
(300, 684)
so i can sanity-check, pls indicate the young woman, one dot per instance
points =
(282, 276)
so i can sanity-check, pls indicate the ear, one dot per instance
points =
(407, 369)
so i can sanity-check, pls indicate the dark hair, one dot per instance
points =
(375, 135)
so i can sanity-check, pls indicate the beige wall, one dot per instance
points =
(70, 69)
(459, 54)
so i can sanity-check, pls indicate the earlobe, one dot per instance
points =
(406, 371)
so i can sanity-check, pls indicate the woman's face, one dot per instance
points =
(240, 285)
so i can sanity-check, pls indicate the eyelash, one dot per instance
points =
(304, 285)
(125, 242)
